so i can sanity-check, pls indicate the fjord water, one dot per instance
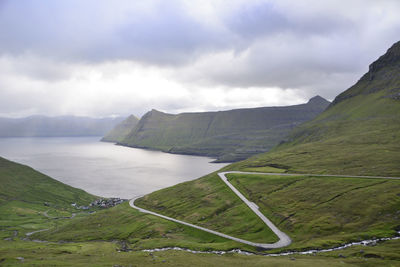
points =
(105, 169)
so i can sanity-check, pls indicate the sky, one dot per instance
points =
(104, 58)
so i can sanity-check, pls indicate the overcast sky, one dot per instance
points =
(102, 58)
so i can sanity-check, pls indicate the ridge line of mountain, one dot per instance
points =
(229, 135)
(359, 130)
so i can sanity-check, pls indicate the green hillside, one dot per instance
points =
(31, 201)
(228, 135)
(315, 212)
(359, 133)
(24, 184)
(121, 130)
(25, 195)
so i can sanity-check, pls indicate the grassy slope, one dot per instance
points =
(250, 143)
(23, 192)
(24, 213)
(315, 212)
(139, 230)
(323, 211)
(359, 134)
(208, 202)
(229, 135)
(24, 184)
(121, 130)
(211, 204)
(105, 254)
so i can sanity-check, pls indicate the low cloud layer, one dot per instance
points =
(102, 58)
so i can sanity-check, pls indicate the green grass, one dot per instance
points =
(266, 169)
(25, 195)
(209, 203)
(229, 135)
(314, 211)
(353, 146)
(106, 254)
(325, 211)
(122, 129)
(24, 184)
(94, 240)
(140, 230)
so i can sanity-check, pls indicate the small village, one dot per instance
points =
(101, 203)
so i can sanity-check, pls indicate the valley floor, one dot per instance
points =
(98, 253)
(315, 211)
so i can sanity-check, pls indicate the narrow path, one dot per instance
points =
(45, 214)
(132, 201)
(284, 239)
(316, 175)
(37, 231)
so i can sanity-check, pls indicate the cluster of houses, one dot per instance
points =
(101, 203)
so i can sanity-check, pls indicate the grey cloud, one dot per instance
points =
(261, 19)
(166, 38)
(163, 34)
(314, 46)
(90, 31)
(326, 68)
(322, 51)
(249, 21)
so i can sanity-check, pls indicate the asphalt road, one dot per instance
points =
(284, 239)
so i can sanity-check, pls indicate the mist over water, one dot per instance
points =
(105, 169)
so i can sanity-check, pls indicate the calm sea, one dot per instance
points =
(105, 169)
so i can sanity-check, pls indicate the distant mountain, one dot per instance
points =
(359, 133)
(228, 135)
(121, 130)
(42, 126)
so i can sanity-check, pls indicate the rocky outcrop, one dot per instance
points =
(382, 76)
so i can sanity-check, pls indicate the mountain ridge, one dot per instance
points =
(119, 131)
(391, 60)
(228, 135)
(357, 134)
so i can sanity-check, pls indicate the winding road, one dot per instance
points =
(284, 239)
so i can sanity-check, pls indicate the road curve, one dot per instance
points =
(284, 240)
